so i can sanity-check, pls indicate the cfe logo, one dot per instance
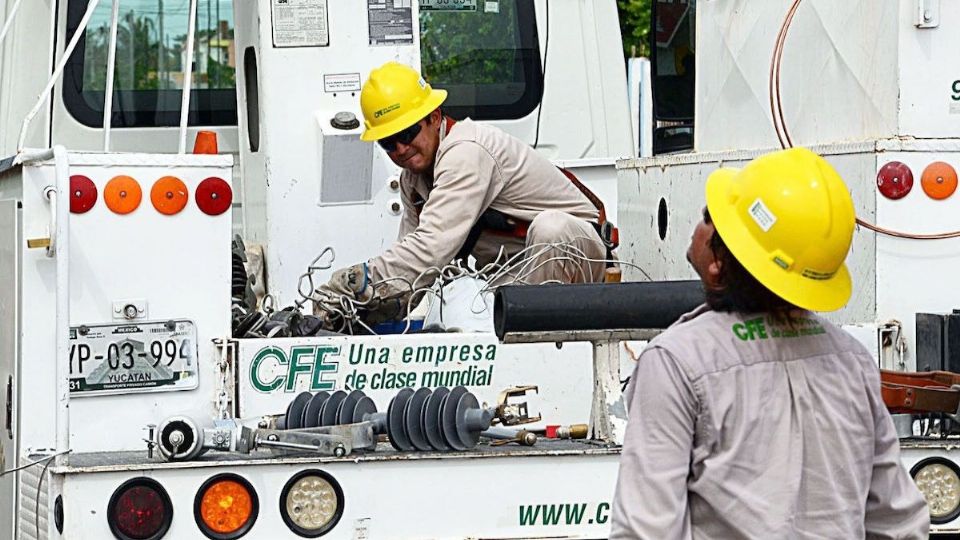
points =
(272, 367)
(750, 330)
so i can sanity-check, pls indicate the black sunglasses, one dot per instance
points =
(406, 137)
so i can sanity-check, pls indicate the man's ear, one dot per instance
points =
(714, 277)
(435, 116)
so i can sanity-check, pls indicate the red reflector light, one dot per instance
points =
(83, 194)
(895, 180)
(214, 196)
(139, 509)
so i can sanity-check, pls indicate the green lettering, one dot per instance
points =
(574, 513)
(255, 380)
(491, 352)
(295, 368)
(407, 355)
(384, 356)
(441, 355)
(740, 330)
(603, 513)
(424, 354)
(552, 513)
(760, 328)
(528, 515)
(320, 367)
(464, 353)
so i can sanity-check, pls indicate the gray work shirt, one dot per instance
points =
(740, 428)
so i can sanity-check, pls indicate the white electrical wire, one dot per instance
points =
(111, 68)
(503, 270)
(56, 73)
(187, 77)
(9, 22)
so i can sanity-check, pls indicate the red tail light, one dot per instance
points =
(139, 509)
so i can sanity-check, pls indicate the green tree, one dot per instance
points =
(635, 26)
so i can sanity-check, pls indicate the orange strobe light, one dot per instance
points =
(206, 143)
(122, 194)
(169, 195)
(226, 507)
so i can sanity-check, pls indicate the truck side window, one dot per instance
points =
(673, 65)
(150, 57)
(485, 54)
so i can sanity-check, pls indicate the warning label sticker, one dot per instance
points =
(762, 215)
(448, 5)
(300, 23)
(390, 22)
(341, 82)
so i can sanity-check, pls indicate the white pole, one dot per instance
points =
(9, 22)
(187, 77)
(56, 73)
(111, 67)
(60, 200)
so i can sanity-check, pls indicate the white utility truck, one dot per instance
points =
(119, 365)
(138, 405)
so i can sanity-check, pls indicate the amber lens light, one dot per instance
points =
(169, 195)
(311, 503)
(122, 194)
(226, 507)
(138, 509)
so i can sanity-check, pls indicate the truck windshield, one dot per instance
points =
(150, 58)
(485, 53)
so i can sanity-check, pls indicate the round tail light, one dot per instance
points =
(938, 479)
(311, 503)
(139, 509)
(226, 507)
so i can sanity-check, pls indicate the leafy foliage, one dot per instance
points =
(635, 26)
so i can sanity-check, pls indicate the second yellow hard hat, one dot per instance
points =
(394, 98)
(788, 218)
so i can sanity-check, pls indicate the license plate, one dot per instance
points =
(133, 357)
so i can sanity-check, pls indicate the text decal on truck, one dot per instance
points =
(318, 367)
(538, 515)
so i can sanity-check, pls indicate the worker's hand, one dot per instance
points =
(353, 281)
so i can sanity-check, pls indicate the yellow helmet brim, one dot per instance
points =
(434, 100)
(813, 294)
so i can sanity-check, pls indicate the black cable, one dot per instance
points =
(543, 70)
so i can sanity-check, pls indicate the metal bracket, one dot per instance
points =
(928, 14)
(516, 413)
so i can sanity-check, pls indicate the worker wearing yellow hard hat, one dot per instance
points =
(468, 189)
(753, 417)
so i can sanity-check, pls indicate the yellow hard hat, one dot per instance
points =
(394, 98)
(788, 219)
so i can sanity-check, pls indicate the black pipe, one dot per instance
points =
(593, 306)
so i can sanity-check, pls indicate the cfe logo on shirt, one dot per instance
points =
(750, 330)
(797, 326)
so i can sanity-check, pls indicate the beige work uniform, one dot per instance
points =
(741, 429)
(479, 167)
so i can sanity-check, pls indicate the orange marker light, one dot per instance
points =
(169, 195)
(939, 180)
(226, 507)
(122, 194)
